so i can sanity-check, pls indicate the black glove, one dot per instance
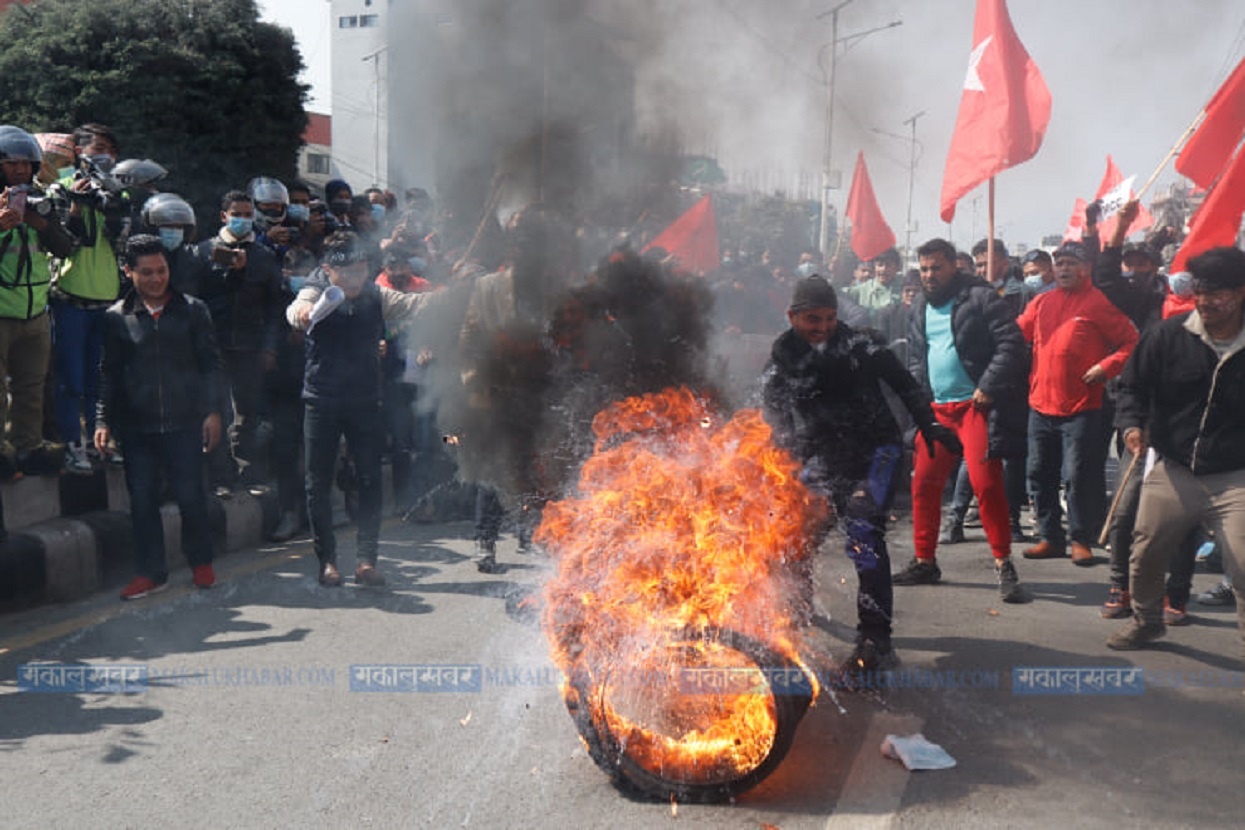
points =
(1093, 212)
(937, 432)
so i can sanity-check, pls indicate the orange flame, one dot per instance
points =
(683, 525)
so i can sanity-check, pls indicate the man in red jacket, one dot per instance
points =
(1080, 340)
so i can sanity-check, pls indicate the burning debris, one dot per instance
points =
(678, 584)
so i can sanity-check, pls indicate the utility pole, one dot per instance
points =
(823, 237)
(911, 182)
(375, 58)
(827, 171)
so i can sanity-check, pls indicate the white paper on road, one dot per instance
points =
(332, 297)
(916, 752)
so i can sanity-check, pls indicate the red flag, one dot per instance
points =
(1004, 109)
(1112, 179)
(870, 233)
(692, 239)
(1218, 220)
(1076, 224)
(1208, 150)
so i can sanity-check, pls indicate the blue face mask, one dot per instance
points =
(418, 265)
(297, 283)
(171, 238)
(64, 172)
(1181, 283)
(378, 213)
(1128, 275)
(240, 226)
(298, 213)
(1034, 282)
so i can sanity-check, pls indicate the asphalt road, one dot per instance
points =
(248, 718)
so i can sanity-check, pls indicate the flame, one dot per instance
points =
(684, 528)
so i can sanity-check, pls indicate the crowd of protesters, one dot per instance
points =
(1013, 374)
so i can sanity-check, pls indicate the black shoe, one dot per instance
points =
(865, 667)
(486, 558)
(952, 532)
(918, 572)
(1018, 533)
(1009, 582)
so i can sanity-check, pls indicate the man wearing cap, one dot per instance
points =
(1128, 275)
(822, 394)
(1182, 393)
(342, 396)
(1080, 340)
(965, 350)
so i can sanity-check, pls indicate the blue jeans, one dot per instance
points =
(77, 345)
(153, 459)
(1067, 449)
(323, 428)
(863, 505)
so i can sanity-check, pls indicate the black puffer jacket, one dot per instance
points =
(160, 374)
(1189, 402)
(994, 355)
(245, 303)
(829, 405)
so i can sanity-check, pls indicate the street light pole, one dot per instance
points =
(823, 238)
(911, 182)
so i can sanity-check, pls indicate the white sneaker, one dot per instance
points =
(76, 460)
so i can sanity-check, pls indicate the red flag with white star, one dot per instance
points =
(1004, 108)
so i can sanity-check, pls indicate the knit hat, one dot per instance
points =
(813, 292)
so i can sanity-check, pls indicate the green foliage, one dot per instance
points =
(200, 86)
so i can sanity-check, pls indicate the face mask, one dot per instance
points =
(1034, 282)
(806, 269)
(1129, 275)
(299, 213)
(297, 283)
(171, 238)
(378, 213)
(240, 226)
(64, 172)
(417, 264)
(1181, 284)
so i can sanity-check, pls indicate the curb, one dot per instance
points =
(64, 559)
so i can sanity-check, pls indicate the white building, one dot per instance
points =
(360, 103)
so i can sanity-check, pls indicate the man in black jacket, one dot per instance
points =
(160, 384)
(964, 348)
(1182, 393)
(822, 396)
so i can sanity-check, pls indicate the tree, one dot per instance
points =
(200, 86)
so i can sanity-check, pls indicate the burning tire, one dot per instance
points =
(704, 719)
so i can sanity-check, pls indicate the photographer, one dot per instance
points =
(29, 231)
(243, 293)
(275, 228)
(87, 282)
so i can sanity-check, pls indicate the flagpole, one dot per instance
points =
(1175, 149)
(990, 235)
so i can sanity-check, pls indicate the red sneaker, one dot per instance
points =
(203, 576)
(141, 586)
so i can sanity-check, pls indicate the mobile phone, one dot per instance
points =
(223, 255)
(17, 199)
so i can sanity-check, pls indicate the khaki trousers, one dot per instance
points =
(1173, 502)
(25, 346)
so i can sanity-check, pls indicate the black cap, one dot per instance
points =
(1218, 269)
(813, 292)
(1143, 249)
(1075, 250)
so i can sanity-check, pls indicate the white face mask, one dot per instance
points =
(1034, 282)
(1181, 284)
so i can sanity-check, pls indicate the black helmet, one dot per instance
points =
(167, 209)
(138, 172)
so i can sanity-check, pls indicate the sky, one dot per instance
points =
(741, 79)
